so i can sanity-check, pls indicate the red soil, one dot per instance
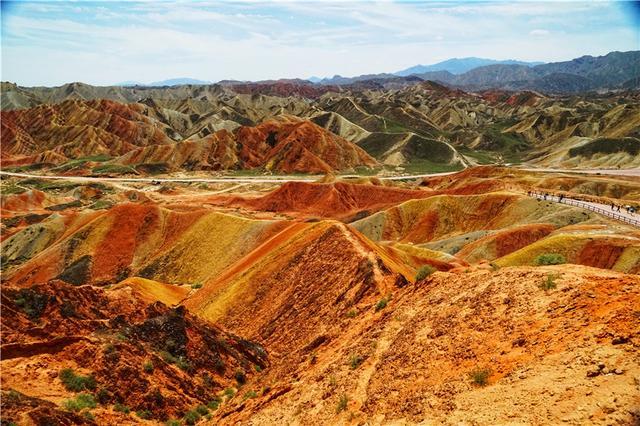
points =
(334, 200)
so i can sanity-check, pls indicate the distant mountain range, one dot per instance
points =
(616, 70)
(461, 65)
(162, 83)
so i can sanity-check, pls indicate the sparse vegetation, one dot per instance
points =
(240, 377)
(214, 403)
(355, 361)
(80, 402)
(76, 383)
(250, 394)
(342, 403)
(144, 414)
(196, 286)
(191, 417)
(202, 410)
(352, 313)
(382, 303)
(549, 283)
(172, 422)
(480, 376)
(121, 408)
(229, 393)
(424, 272)
(148, 367)
(89, 416)
(32, 303)
(550, 259)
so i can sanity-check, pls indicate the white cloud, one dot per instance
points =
(538, 33)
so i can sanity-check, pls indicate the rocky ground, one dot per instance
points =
(444, 300)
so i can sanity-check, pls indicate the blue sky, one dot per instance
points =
(55, 42)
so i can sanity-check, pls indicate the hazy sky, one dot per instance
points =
(55, 42)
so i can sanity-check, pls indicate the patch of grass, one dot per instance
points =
(191, 417)
(250, 394)
(121, 408)
(100, 205)
(32, 303)
(342, 403)
(75, 382)
(202, 410)
(148, 367)
(229, 393)
(382, 303)
(421, 165)
(424, 272)
(214, 403)
(144, 414)
(549, 283)
(115, 169)
(550, 259)
(355, 361)
(480, 376)
(80, 402)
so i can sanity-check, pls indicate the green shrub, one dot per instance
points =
(382, 303)
(550, 259)
(424, 272)
(352, 313)
(342, 403)
(103, 396)
(172, 422)
(480, 376)
(202, 410)
(148, 367)
(121, 408)
(80, 402)
(549, 283)
(76, 383)
(32, 303)
(144, 414)
(196, 286)
(355, 361)
(191, 417)
(214, 403)
(89, 416)
(229, 393)
(257, 368)
(240, 377)
(183, 364)
(250, 394)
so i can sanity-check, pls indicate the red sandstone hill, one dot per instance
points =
(72, 129)
(287, 145)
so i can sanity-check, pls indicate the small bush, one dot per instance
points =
(191, 417)
(121, 408)
(342, 403)
(89, 416)
(214, 403)
(549, 283)
(196, 286)
(76, 383)
(550, 259)
(103, 396)
(32, 303)
(480, 376)
(202, 410)
(167, 357)
(352, 313)
(240, 377)
(148, 367)
(257, 368)
(144, 414)
(172, 422)
(183, 364)
(382, 303)
(229, 393)
(80, 402)
(355, 361)
(250, 394)
(424, 272)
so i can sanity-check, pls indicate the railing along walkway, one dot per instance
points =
(602, 209)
